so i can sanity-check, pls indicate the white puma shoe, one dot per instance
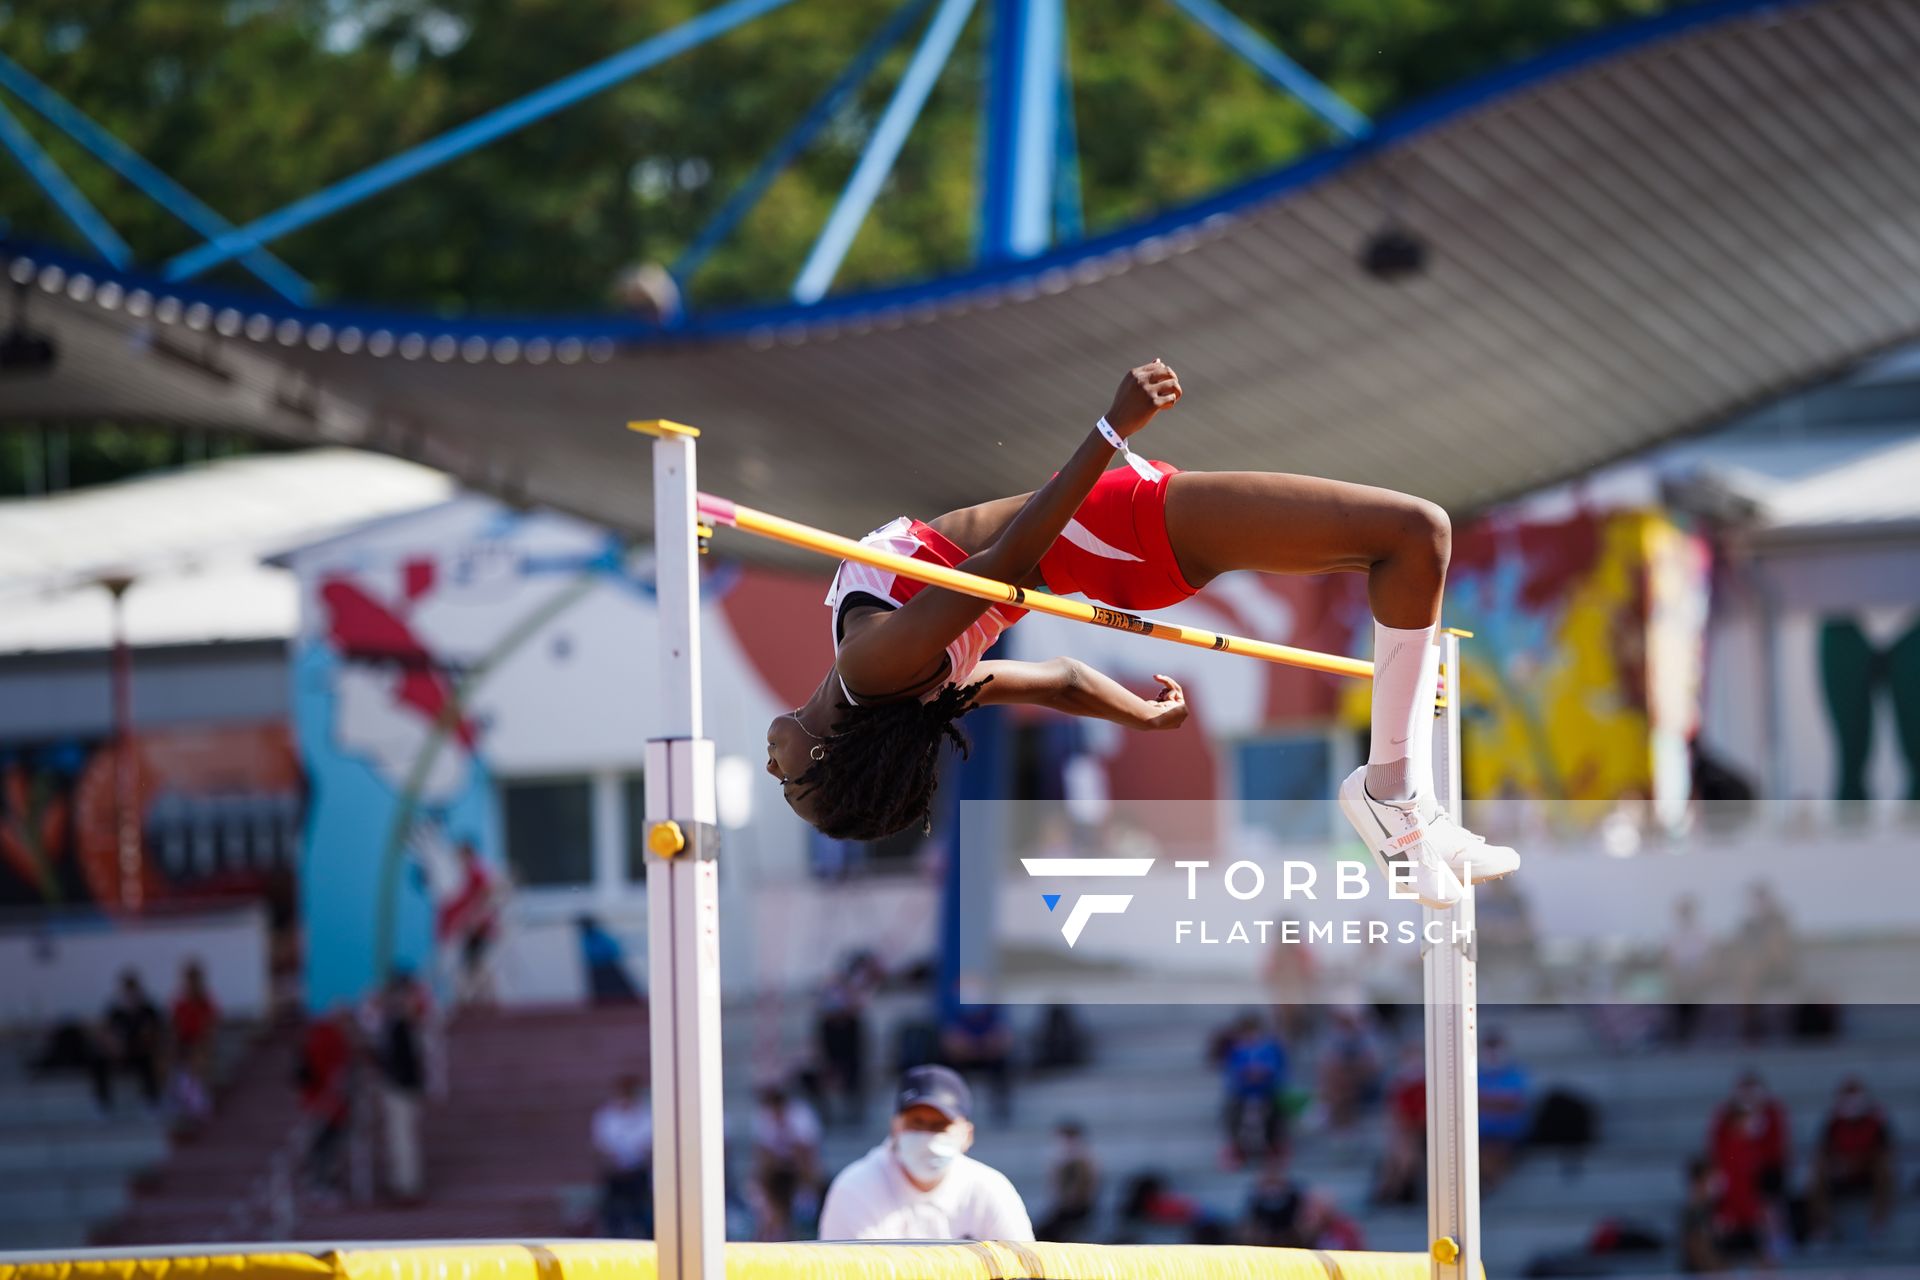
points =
(1471, 859)
(1398, 836)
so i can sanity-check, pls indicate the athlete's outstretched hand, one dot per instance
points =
(1144, 392)
(1168, 709)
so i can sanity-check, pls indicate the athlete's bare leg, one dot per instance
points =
(1274, 523)
(1220, 521)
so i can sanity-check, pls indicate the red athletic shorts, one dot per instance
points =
(1115, 549)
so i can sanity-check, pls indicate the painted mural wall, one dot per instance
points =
(1583, 674)
(455, 663)
(215, 810)
(1839, 722)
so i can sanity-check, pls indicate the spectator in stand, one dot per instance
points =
(1254, 1072)
(1350, 1068)
(1404, 1158)
(324, 1076)
(1852, 1161)
(1503, 928)
(1061, 1040)
(1276, 1215)
(1148, 1206)
(623, 1145)
(196, 1024)
(1075, 1182)
(400, 1056)
(920, 1184)
(605, 962)
(1747, 1145)
(1688, 959)
(1765, 959)
(840, 1031)
(468, 923)
(1699, 1236)
(133, 1039)
(786, 1161)
(977, 1041)
(1505, 1103)
(1325, 1227)
(1292, 979)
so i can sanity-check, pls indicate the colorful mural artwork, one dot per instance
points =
(216, 808)
(467, 658)
(397, 641)
(1584, 681)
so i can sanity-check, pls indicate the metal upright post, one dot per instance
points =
(683, 894)
(1449, 956)
(1021, 143)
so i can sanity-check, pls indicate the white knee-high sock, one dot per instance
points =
(1406, 673)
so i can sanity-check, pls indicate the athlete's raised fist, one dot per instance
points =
(1145, 391)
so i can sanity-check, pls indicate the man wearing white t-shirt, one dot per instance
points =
(623, 1142)
(920, 1184)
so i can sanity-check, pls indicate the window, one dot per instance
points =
(549, 826)
(1286, 787)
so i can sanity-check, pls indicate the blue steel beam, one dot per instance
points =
(66, 197)
(1278, 67)
(883, 148)
(155, 185)
(1069, 218)
(474, 134)
(1023, 99)
(742, 201)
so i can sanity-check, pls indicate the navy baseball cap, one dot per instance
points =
(938, 1087)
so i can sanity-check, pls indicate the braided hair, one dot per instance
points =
(883, 763)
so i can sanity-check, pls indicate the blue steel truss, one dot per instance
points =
(66, 197)
(152, 183)
(1029, 172)
(790, 148)
(412, 334)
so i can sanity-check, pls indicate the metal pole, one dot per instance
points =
(1449, 959)
(1022, 101)
(683, 896)
(126, 816)
(883, 148)
(475, 133)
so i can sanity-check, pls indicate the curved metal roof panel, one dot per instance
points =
(1629, 239)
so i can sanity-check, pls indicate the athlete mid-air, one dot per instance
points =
(859, 759)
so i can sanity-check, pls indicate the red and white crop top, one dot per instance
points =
(860, 584)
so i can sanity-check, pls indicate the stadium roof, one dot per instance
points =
(1629, 239)
(1876, 492)
(195, 543)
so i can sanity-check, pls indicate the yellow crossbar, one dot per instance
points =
(720, 511)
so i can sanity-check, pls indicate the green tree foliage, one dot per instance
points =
(253, 103)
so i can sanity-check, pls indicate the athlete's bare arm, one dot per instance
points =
(1070, 685)
(900, 649)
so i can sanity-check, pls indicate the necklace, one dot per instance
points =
(816, 752)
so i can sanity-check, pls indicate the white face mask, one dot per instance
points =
(927, 1156)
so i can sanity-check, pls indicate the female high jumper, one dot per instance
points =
(859, 759)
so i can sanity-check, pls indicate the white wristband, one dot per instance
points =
(1141, 467)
